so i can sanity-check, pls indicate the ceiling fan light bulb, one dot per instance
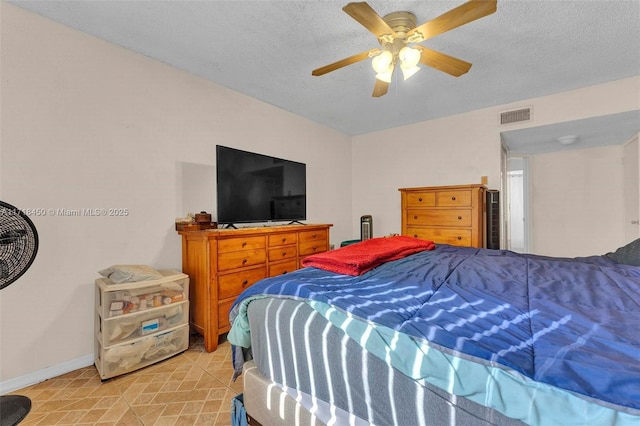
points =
(409, 57)
(382, 62)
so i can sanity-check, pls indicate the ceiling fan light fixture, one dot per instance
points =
(382, 63)
(409, 59)
(409, 56)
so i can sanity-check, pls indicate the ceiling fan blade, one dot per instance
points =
(380, 89)
(463, 14)
(454, 66)
(368, 18)
(344, 62)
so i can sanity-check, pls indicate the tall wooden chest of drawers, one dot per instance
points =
(445, 214)
(221, 263)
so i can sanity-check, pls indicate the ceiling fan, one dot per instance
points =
(397, 33)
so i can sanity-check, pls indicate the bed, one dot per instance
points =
(397, 331)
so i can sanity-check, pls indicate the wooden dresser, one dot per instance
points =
(445, 214)
(221, 263)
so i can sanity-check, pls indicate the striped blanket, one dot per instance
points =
(562, 332)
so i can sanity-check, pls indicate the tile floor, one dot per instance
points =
(192, 388)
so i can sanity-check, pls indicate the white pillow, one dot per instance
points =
(130, 273)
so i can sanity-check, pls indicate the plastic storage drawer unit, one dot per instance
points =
(140, 323)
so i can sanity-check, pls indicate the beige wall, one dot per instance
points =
(577, 201)
(86, 124)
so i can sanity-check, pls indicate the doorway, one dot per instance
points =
(631, 166)
(517, 204)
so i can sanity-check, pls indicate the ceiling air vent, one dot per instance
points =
(515, 116)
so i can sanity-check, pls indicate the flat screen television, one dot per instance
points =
(254, 188)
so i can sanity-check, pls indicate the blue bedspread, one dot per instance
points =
(570, 323)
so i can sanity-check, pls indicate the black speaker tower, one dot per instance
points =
(366, 227)
(493, 219)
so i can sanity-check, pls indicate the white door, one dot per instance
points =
(518, 205)
(631, 166)
(516, 211)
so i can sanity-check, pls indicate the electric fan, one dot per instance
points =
(18, 248)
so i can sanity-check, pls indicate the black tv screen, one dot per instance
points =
(254, 187)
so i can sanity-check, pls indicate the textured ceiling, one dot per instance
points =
(267, 50)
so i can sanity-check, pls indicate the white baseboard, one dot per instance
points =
(45, 374)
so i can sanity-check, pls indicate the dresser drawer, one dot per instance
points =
(231, 285)
(456, 198)
(310, 236)
(282, 253)
(227, 245)
(421, 199)
(451, 236)
(239, 259)
(282, 268)
(282, 239)
(440, 217)
(312, 247)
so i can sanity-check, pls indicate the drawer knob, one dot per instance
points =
(415, 216)
(314, 235)
(244, 261)
(244, 283)
(244, 243)
(284, 272)
(459, 217)
(420, 199)
(284, 253)
(453, 198)
(415, 235)
(284, 240)
(459, 238)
